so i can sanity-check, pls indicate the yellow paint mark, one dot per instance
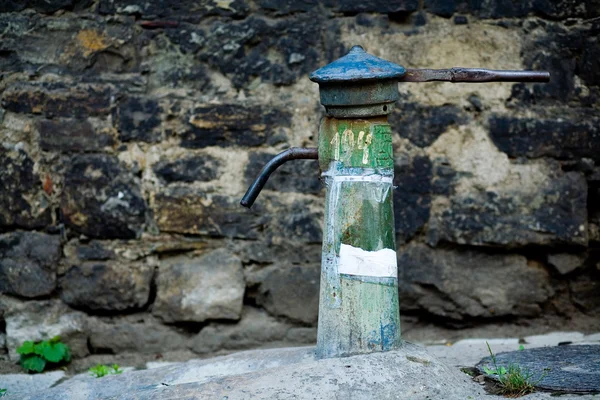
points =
(368, 141)
(91, 41)
(348, 140)
(258, 127)
(360, 142)
(200, 123)
(335, 143)
(347, 144)
(224, 4)
(78, 219)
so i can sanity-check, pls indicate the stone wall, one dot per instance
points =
(130, 129)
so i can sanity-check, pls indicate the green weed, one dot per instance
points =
(101, 370)
(2, 392)
(36, 356)
(514, 381)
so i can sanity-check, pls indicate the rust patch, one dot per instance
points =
(48, 185)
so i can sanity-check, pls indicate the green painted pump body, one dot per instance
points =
(358, 308)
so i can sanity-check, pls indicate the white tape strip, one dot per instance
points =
(362, 178)
(355, 261)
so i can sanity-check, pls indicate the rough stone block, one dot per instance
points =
(140, 333)
(585, 291)
(28, 263)
(280, 52)
(299, 220)
(290, 291)
(44, 6)
(57, 99)
(199, 288)
(379, 6)
(41, 320)
(423, 124)
(560, 138)
(190, 38)
(185, 210)
(72, 136)
(101, 199)
(412, 194)
(562, 9)
(565, 262)
(500, 8)
(282, 7)
(468, 284)
(138, 119)
(268, 252)
(300, 176)
(571, 57)
(22, 201)
(106, 286)
(553, 213)
(233, 125)
(175, 8)
(66, 43)
(200, 167)
(92, 251)
(254, 329)
(443, 8)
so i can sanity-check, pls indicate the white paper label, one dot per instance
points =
(355, 261)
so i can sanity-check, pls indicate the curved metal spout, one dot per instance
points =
(293, 153)
(473, 75)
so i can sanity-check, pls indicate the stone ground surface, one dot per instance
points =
(434, 372)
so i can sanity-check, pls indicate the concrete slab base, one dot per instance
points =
(293, 373)
(408, 373)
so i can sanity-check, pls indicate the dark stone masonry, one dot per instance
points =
(130, 130)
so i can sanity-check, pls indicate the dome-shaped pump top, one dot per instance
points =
(357, 65)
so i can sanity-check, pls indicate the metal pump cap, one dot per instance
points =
(362, 85)
(357, 66)
(358, 85)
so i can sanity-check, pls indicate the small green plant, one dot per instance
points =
(2, 392)
(101, 370)
(36, 356)
(514, 381)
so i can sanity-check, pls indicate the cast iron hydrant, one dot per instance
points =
(358, 307)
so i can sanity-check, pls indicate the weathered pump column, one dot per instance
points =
(358, 307)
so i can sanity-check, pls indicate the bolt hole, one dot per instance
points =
(384, 108)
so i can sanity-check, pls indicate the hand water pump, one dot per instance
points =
(358, 307)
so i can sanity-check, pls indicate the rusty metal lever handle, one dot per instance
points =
(473, 75)
(293, 153)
